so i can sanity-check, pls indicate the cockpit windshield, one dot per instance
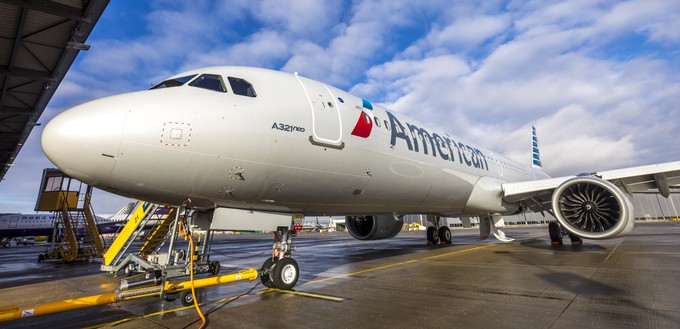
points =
(173, 82)
(210, 82)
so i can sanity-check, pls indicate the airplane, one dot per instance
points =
(247, 148)
(14, 225)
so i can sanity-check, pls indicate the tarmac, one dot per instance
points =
(629, 282)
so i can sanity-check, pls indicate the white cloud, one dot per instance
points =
(574, 140)
(594, 113)
(659, 18)
(306, 19)
(356, 42)
(261, 49)
(598, 78)
(467, 32)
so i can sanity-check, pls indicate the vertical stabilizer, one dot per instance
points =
(535, 154)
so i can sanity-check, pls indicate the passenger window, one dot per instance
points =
(209, 81)
(173, 82)
(241, 87)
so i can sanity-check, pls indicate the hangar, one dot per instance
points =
(39, 40)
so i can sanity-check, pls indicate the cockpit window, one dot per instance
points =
(209, 81)
(173, 82)
(242, 87)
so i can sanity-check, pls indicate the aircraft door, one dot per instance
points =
(326, 124)
(13, 221)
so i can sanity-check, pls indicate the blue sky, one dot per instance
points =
(599, 79)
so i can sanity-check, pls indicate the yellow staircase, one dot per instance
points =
(69, 250)
(125, 237)
(157, 235)
(61, 194)
(91, 224)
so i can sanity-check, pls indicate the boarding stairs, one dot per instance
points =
(138, 221)
(75, 235)
(157, 258)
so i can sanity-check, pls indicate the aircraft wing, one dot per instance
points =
(661, 176)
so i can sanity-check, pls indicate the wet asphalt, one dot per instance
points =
(629, 282)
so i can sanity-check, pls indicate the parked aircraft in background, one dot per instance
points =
(249, 148)
(14, 225)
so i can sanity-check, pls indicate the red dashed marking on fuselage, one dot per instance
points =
(176, 123)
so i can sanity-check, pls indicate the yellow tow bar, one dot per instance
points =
(15, 312)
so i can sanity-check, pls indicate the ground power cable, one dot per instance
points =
(184, 230)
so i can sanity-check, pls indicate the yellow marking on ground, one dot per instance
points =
(304, 294)
(300, 293)
(396, 264)
(458, 251)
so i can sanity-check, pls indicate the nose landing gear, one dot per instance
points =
(280, 270)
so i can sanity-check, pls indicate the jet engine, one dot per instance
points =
(592, 208)
(373, 227)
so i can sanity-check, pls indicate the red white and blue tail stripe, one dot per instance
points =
(535, 154)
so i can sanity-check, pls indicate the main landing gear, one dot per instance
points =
(556, 234)
(437, 234)
(280, 270)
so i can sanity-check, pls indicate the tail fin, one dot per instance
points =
(535, 154)
(127, 209)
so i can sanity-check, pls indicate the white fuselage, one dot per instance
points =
(297, 146)
(18, 225)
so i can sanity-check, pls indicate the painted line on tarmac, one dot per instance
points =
(303, 294)
(396, 264)
(299, 293)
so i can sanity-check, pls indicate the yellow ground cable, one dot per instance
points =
(184, 231)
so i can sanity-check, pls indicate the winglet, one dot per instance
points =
(535, 154)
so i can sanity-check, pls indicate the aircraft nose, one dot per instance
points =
(84, 141)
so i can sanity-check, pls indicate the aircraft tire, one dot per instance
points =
(576, 241)
(432, 235)
(265, 278)
(445, 235)
(285, 273)
(555, 234)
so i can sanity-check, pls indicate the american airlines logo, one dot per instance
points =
(442, 147)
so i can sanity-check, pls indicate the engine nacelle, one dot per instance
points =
(373, 227)
(592, 208)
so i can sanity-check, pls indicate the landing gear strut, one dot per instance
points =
(437, 233)
(280, 270)
(432, 235)
(557, 233)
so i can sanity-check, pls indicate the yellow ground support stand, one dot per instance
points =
(133, 221)
(61, 193)
(16, 312)
(92, 228)
(158, 234)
